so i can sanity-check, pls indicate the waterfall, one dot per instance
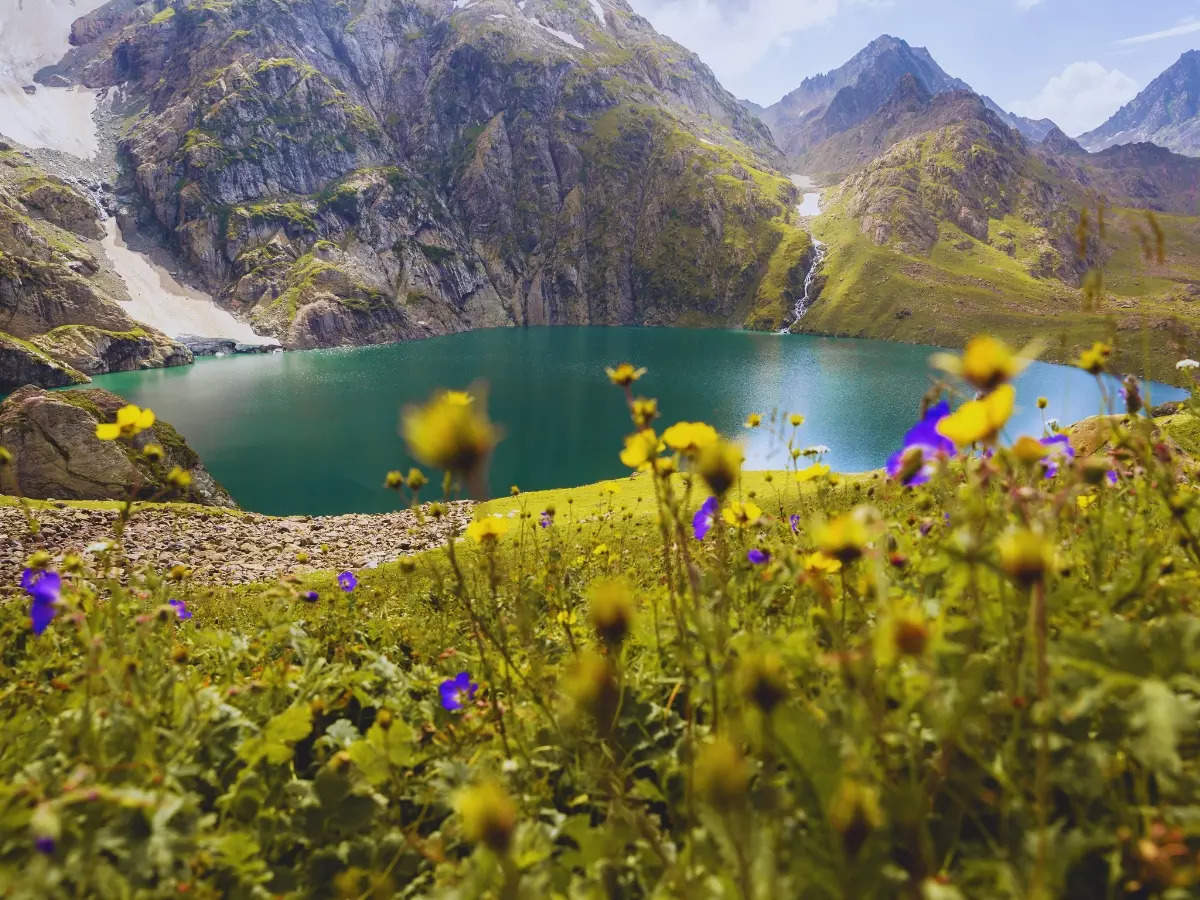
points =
(805, 301)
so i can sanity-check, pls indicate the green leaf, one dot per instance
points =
(275, 742)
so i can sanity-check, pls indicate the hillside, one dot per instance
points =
(964, 226)
(353, 173)
(60, 313)
(1166, 113)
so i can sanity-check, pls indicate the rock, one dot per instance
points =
(58, 80)
(30, 89)
(23, 363)
(96, 351)
(202, 346)
(52, 437)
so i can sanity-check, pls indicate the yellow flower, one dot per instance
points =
(644, 412)
(1095, 359)
(611, 605)
(1025, 555)
(153, 452)
(720, 464)
(179, 478)
(742, 514)
(449, 433)
(1029, 450)
(130, 421)
(416, 479)
(1083, 501)
(796, 419)
(980, 420)
(487, 530)
(753, 420)
(624, 374)
(689, 437)
(1042, 402)
(989, 362)
(845, 538)
(394, 480)
(489, 816)
(821, 563)
(640, 449)
(722, 775)
(816, 470)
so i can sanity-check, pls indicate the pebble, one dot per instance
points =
(229, 548)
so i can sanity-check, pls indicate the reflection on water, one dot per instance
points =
(315, 432)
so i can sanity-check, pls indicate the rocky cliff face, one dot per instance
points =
(352, 172)
(52, 439)
(1166, 113)
(60, 313)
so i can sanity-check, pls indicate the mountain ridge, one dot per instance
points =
(1166, 112)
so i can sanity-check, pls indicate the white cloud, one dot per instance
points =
(1188, 27)
(1027, 4)
(733, 35)
(1079, 98)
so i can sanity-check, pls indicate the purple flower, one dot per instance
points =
(1111, 475)
(45, 588)
(347, 582)
(758, 557)
(311, 596)
(1060, 449)
(44, 845)
(546, 521)
(794, 521)
(457, 691)
(914, 462)
(181, 610)
(704, 518)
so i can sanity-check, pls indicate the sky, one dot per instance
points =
(1074, 61)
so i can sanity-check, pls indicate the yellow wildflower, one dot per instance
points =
(821, 563)
(153, 452)
(753, 420)
(979, 420)
(644, 412)
(394, 480)
(487, 530)
(640, 449)
(1042, 403)
(816, 470)
(722, 776)
(1029, 450)
(1083, 501)
(719, 464)
(416, 479)
(179, 478)
(762, 679)
(689, 437)
(1025, 555)
(624, 374)
(489, 815)
(845, 538)
(796, 419)
(449, 433)
(611, 605)
(742, 514)
(131, 420)
(1095, 359)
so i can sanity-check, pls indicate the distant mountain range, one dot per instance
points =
(1166, 113)
(829, 104)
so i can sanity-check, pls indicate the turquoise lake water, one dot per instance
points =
(315, 432)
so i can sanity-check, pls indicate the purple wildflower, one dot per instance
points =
(44, 845)
(794, 521)
(1060, 449)
(45, 588)
(704, 518)
(758, 557)
(347, 582)
(914, 463)
(1112, 476)
(457, 691)
(181, 610)
(311, 596)
(547, 520)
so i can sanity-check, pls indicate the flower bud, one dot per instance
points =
(592, 687)
(612, 607)
(762, 679)
(854, 814)
(722, 775)
(489, 815)
(1025, 556)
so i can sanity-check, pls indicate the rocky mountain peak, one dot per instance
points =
(1167, 112)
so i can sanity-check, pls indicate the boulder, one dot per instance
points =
(23, 363)
(56, 454)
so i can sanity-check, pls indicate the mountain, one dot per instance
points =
(390, 169)
(1166, 113)
(830, 104)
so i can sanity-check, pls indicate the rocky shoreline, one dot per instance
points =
(228, 547)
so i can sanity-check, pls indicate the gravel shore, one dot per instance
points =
(229, 548)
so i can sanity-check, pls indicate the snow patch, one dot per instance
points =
(564, 36)
(598, 9)
(161, 302)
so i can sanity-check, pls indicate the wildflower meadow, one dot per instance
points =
(974, 673)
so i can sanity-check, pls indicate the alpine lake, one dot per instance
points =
(315, 432)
